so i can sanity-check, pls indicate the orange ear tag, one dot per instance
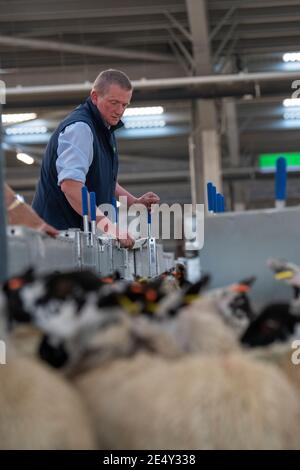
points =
(16, 283)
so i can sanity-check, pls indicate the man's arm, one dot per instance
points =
(120, 191)
(72, 191)
(23, 214)
(147, 199)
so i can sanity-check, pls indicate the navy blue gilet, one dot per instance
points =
(49, 200)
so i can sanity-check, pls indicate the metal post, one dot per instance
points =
(206, 152)
(3, 241)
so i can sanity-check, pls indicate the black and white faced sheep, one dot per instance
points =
(277, 322)
(81, 326)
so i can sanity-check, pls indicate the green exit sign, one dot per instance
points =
(267, 161)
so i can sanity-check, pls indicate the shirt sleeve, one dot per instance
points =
(75, 152)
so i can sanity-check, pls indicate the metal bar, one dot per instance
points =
(228, 53)
(192, 171)
(182, 48)
(221, 23)
(180, 88)
(94, 28)
(224, 42)
(44, 12)
(179, 57)
(158, 83)
(99, 51)
(3, 240)
(176, 23)
(221, 4)
(152, 257)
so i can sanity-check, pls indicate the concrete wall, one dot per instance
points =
(238, 244)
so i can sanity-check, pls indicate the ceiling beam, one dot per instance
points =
(181, 88)
(214, 5)
(185, 52)
(179, 26)
(276, 31)
(80, 49)
(88, 28)
(59, 12)
(221, 23)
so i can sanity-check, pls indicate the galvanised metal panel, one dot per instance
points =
(104, 262)
(73, 249)
(30, 249)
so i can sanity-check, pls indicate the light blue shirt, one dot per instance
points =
(75, 152)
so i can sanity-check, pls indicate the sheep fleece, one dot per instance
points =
(39, 410)
(198, 402)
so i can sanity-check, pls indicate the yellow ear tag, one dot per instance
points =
(283, 275)
(189, 298)
(151, 307)
(128, 305)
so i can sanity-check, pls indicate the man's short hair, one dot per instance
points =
(110, 77)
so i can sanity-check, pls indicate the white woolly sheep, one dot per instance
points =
(39, 410)
(199, 402)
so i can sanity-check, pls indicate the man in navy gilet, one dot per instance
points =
(83, 151)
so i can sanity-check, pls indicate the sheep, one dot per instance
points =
(178, 327)
(287, 359)
(230, 303)
(202, 332)
(197, 402)
(277, 321)
(70, 315)
(274, 323)
(40, 410)
(189, 333)
(242, 403)
(206, 324)
(95, 333)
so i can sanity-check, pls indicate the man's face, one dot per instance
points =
(113, 104)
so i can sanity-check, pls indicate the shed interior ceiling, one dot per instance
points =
(64, 42)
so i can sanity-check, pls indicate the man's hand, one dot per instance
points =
(25, 215)
(48, 229)
(148, 199)
(125, 240)
(107, 227)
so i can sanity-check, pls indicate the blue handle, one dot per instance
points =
(214, 199)
(210, 196)
(219, 202)
(223, 203)
(114, 203)
(84, 200)
(280, 179)
(93, 205)
(149, 217)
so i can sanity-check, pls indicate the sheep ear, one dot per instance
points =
(29, 275)
(16, 283)
(198, 286)
(249, 281)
